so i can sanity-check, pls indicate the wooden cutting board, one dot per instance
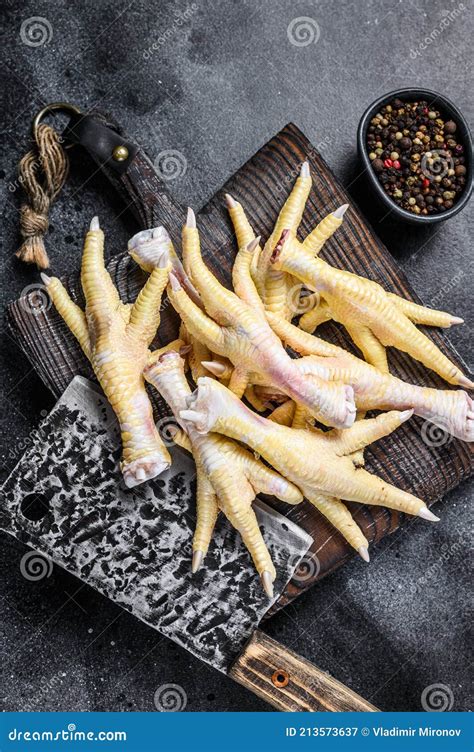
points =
(408, 459)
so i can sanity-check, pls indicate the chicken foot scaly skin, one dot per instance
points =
(280, 292)
(320, 464)
(228, 476)
(451, 410)
(115, 338)
(275, 283)
(147, 247)
(373, 318)
(235, 330)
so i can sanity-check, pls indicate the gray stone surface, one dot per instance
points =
(216, 86)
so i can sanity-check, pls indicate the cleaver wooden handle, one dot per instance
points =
(289, 682)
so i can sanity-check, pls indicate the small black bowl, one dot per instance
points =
(448, 108)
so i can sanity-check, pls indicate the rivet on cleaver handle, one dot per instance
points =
(289, 682)
(106, 146)
(129, 169)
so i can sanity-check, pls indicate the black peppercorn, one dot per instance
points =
(400, 138)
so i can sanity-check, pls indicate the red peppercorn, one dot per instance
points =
(388, 163)
(426, 183)
(397, 164)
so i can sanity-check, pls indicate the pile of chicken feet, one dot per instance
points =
(233, 345)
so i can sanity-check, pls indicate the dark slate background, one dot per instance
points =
(221, 80)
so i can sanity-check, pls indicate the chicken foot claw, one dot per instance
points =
(239, 331)
(115, 338)
(228, 476)
(330, 473)
(451, 410)
(374, 318)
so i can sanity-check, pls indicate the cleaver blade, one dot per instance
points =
(134, 545)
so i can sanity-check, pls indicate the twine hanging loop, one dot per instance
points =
(42, 173)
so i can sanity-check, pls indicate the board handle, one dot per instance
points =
(289, 682)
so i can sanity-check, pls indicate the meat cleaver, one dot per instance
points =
(67, 500)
